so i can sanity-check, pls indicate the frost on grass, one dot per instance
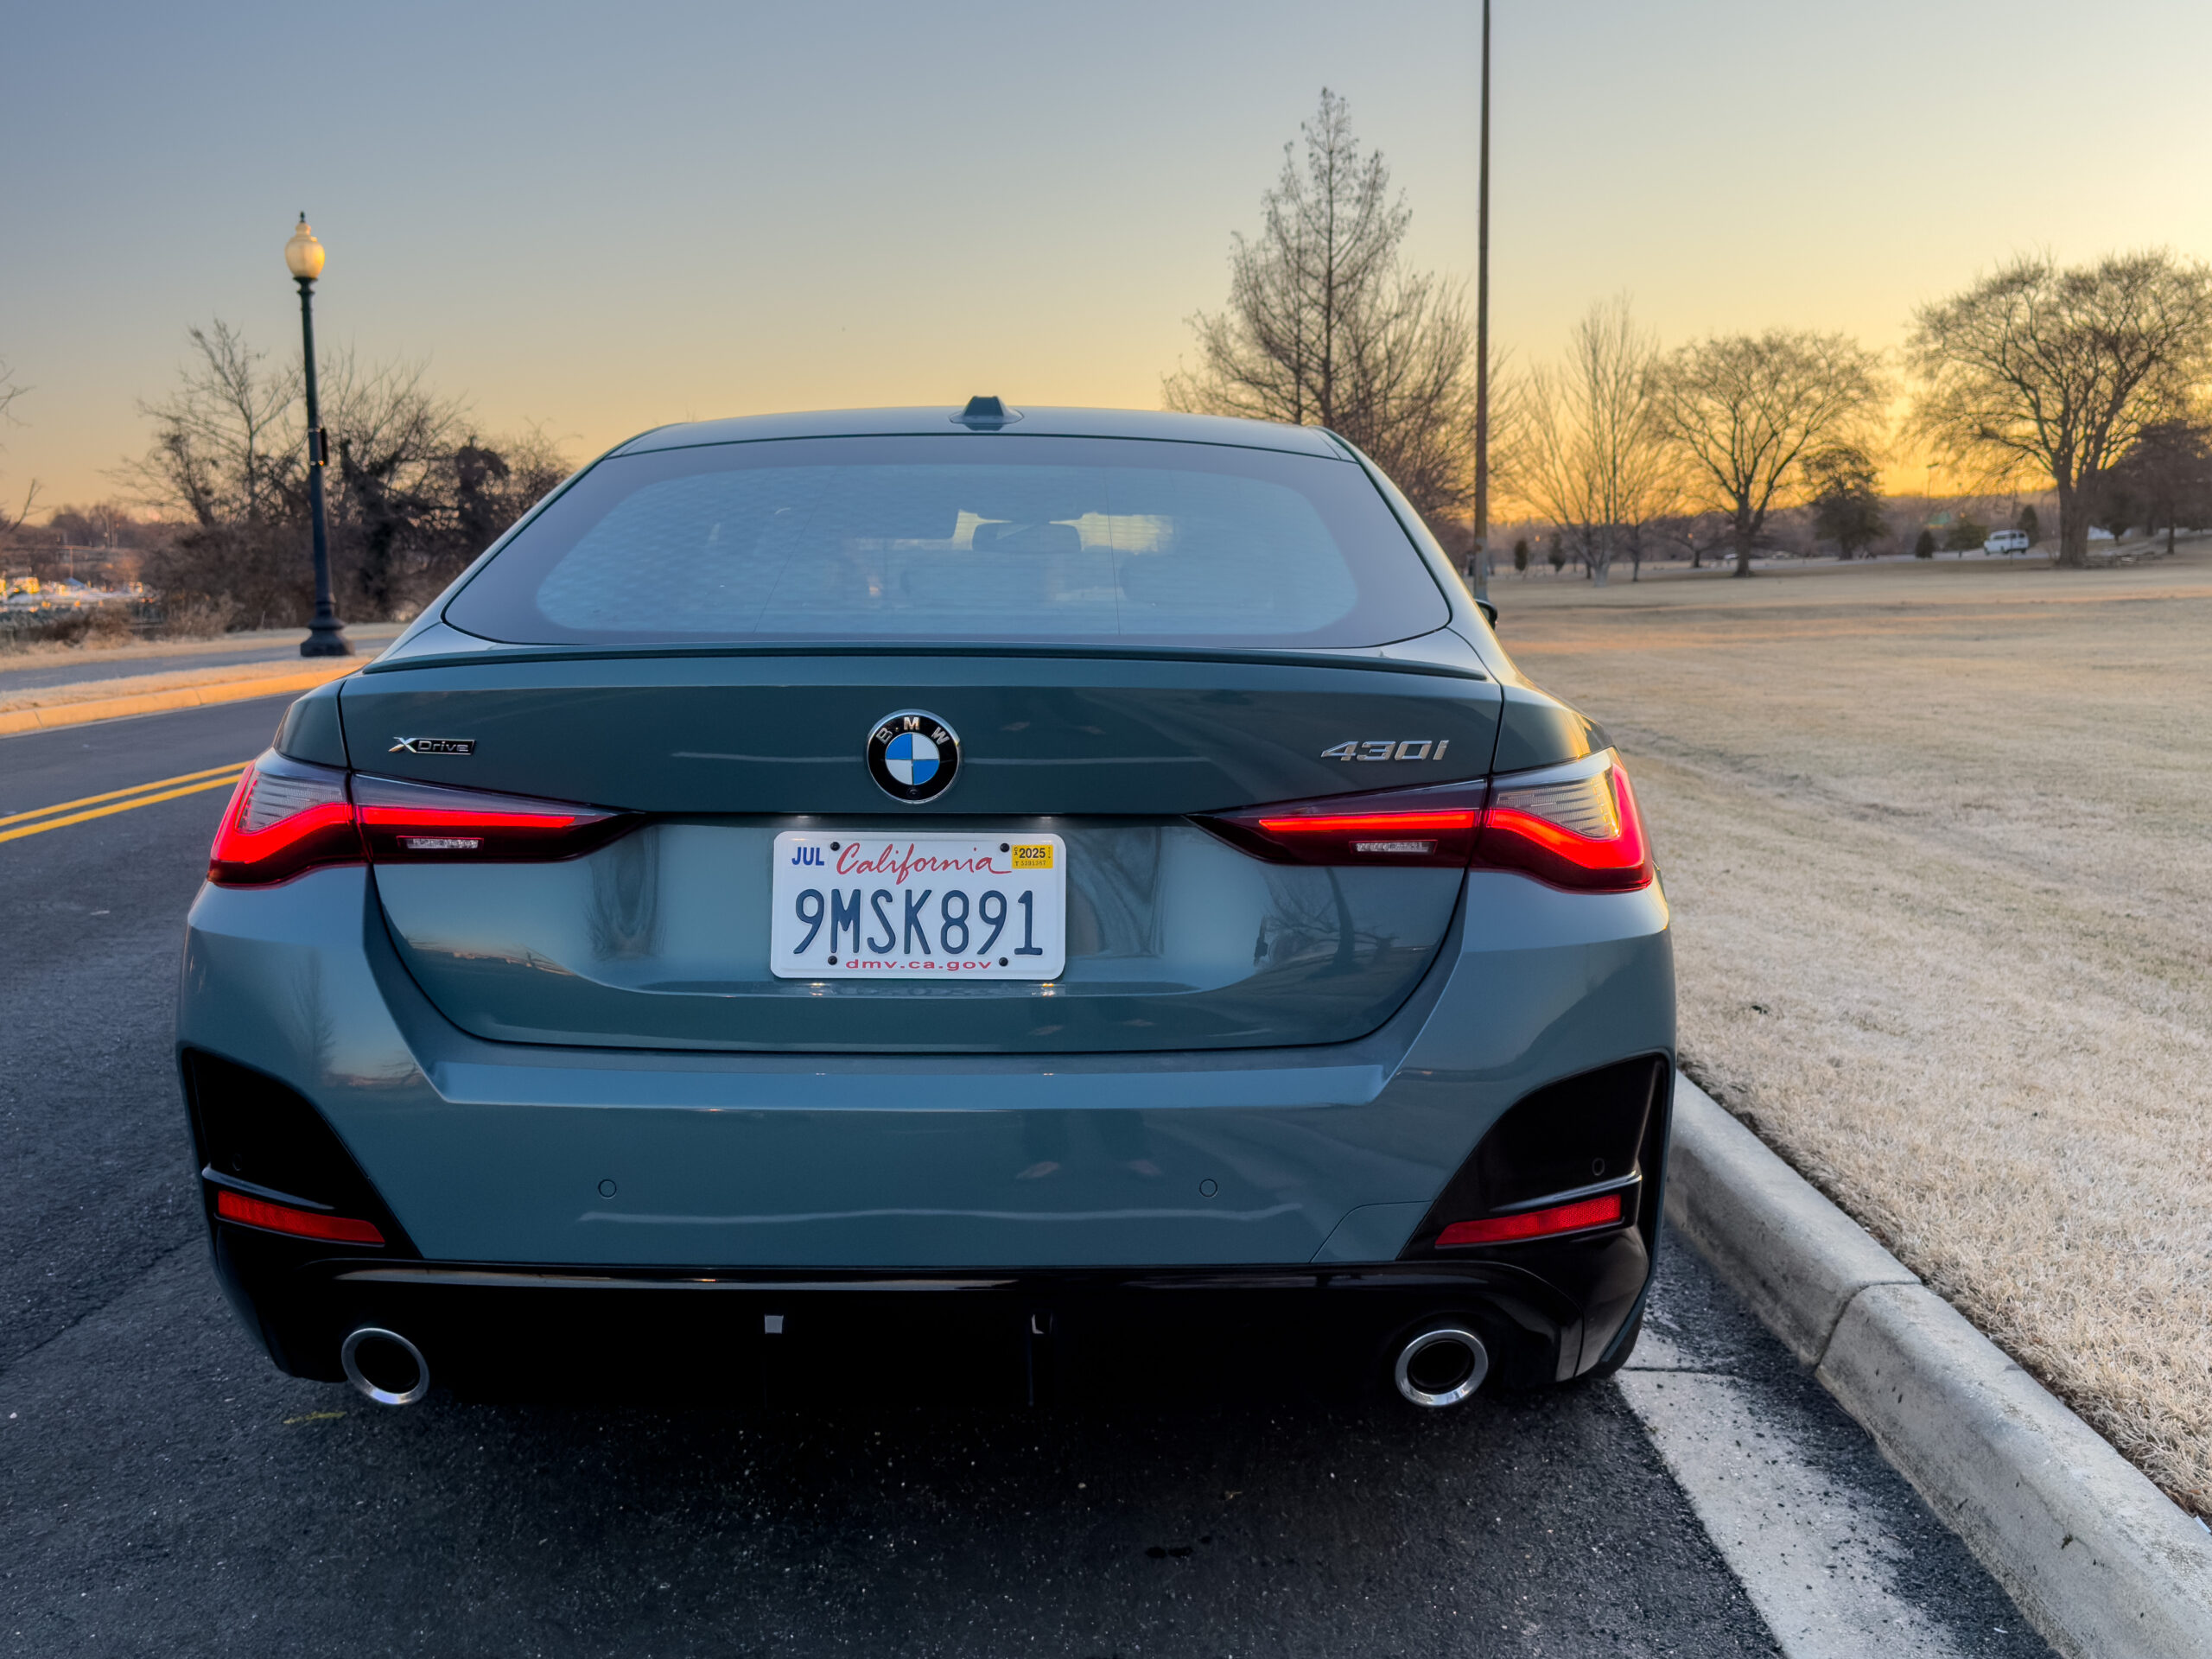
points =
(1937, 842)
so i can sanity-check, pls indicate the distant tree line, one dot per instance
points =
(413, 492)
(2093, 382)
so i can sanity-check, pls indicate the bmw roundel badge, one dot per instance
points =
(913, 756)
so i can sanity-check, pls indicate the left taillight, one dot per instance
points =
(287, 817)
(407, 822)
(284, 816)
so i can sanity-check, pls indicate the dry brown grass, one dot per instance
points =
(1939, 843)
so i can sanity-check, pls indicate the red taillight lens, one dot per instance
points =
(407, 822)
(1603, 1210)
(1584, 835)
(1423, 828)
(284, 816)
(300, 1223)
(287, 817)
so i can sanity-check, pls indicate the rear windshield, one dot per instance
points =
(985, 537)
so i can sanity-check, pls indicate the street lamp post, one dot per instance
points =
(325, 634)
(1482, 337)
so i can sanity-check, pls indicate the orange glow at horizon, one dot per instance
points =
(600, 231)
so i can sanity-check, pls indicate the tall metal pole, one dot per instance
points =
(325, 634)
(1482, 338)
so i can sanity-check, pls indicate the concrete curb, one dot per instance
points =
(2099, 1558)
(154, 702)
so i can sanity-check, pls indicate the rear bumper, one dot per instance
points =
(720, 1336)
(599, 1220)
(524, 1153)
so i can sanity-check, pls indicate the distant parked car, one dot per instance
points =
(2006, 540)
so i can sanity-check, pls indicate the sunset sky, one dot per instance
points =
(603, 217)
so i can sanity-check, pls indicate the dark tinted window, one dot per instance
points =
(960, 537)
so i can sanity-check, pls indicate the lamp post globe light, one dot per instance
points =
(304, 257)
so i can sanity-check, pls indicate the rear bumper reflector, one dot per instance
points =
(300, 1223)
(1603, 1210)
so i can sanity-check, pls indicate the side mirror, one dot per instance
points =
(1489, 611)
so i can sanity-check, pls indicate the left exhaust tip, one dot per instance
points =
(1441, 1366)
(390, 1370)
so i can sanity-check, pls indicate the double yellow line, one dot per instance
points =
(18, 825)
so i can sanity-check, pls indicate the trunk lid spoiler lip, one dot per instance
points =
(1442, 653)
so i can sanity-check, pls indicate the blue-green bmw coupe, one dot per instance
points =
(998, 904)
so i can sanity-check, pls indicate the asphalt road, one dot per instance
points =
(164, 1490)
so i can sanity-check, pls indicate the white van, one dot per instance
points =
(2006, 540)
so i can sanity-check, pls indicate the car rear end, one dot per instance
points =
(1053, 907)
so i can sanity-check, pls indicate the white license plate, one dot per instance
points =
(850, 905)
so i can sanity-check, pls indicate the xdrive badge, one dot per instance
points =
(432, 746)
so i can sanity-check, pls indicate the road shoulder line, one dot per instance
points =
(154, 702)
(1811, 1552)
(2101, 1561)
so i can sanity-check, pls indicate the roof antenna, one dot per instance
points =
(985, 412)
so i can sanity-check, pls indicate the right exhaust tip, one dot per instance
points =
(1441, 1366)
(384, 1366)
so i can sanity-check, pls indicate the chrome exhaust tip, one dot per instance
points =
(1442, 1366)
(395, 1359)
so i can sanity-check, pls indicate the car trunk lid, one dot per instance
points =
(1175, 938)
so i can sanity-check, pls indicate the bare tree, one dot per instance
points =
(222, 461)
(220, 451)
(1744, 412)
(394, 440)
(1592, 461)
(1326, 326)
(494, 484)
(8, 393)
(2169, 469)
(414, 495)
(2037, 370)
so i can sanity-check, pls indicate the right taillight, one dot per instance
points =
(1581, 833)
(1428, 828)
(1584, 833)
